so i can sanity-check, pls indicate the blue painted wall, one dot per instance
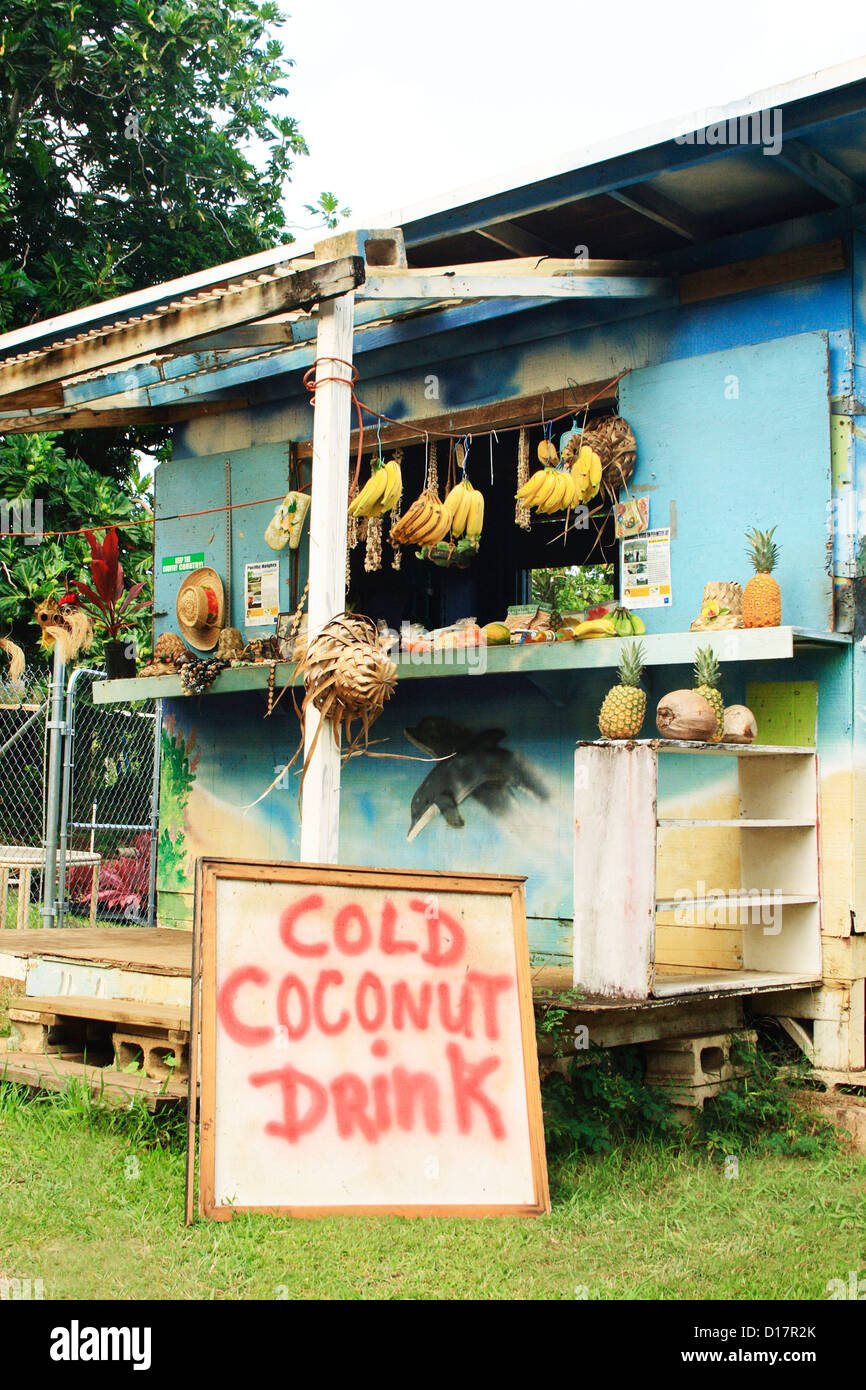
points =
(758, 455)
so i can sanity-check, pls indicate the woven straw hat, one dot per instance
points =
(201, 608)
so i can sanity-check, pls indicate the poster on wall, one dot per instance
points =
(645, 570)
(261, 593)
(367, 1043)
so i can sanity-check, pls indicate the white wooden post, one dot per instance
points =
(320, 812)
(614, 869)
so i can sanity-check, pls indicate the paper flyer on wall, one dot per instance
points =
(645, 570)
(261, 593)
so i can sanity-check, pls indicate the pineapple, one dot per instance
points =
(762, 599)
(624, 705)
(707, 676)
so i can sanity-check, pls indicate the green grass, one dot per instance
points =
(648, 1220)
(34, 919)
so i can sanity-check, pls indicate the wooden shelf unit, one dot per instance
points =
(761, 933)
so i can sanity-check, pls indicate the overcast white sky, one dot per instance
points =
(400, 102)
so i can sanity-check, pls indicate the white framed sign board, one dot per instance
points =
(367, 1043)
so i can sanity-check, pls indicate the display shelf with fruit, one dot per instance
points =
(660, 649)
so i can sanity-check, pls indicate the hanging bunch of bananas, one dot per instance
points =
(381, 492)
(585, 465)
(465, 507)
(560, 485)
(424, 523)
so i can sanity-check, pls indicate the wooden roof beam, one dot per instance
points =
(664, 211)
(450, 286)
(514, 238)
(104, 419)
(153, 333)
(820, 174)
(507, 414)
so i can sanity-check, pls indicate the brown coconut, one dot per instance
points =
(741, 725)
(685, 714)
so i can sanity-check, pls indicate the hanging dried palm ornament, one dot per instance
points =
(395, 513)
(522, 515)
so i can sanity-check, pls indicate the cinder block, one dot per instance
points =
(692, 1070)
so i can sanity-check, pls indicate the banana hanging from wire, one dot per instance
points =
(465, 507)
(549, 490)
(381, 492)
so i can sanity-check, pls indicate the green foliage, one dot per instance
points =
(759, 1112)
(138, 143)
(127, 133)
(573, 588)
(35, 467)
(602, 1102)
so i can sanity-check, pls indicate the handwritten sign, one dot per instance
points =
(368, 1043)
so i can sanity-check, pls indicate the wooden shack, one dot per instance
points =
(704, 281)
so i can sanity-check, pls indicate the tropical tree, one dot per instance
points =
(138, 142)
(55, 492)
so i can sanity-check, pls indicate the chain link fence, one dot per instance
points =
(108, 804)
(23, 717)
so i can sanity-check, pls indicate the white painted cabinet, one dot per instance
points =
(751, 925)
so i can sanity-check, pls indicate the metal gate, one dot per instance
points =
(109, 803)
(98, 767)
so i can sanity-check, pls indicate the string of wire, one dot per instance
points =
(311, 382)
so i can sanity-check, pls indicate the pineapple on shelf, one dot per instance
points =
(762, 598)
(622, 713)
(707, 676)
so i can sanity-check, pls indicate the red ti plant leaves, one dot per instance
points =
(106, 599)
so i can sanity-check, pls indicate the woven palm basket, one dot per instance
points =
(346, 674)
(363, 680)
(614, 442)
(728, 595)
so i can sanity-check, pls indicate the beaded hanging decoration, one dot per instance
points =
(396, 510)
(522, 515)
(373, 553)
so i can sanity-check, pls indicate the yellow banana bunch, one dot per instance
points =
(549, 490)
(586, 471)
(465, 507)
(381, 492)
(425, 523)
(595, 627)
(475, 519)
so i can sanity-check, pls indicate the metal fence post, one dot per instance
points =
(52, 808)
(66, 794)
(154, 817)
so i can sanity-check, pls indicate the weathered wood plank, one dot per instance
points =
(502, 414)
(449, 286)
(72, 419)
(155, 332)
(800, 263)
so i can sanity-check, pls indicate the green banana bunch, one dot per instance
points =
(627, 624)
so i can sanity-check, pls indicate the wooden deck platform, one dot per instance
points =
(157, 950)
(151, 967)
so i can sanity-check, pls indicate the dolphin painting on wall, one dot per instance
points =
(472, 765)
